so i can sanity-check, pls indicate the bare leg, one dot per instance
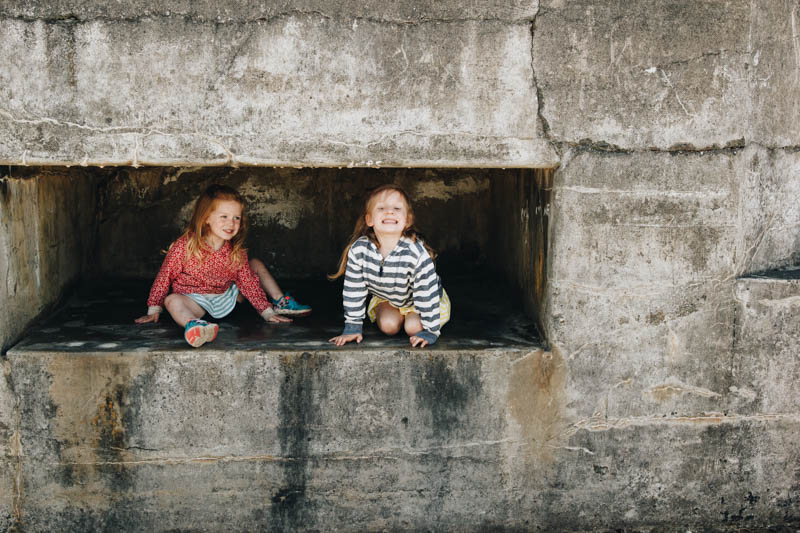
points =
(268, 283)
(388, 318)
(413, 324)
(182, 309)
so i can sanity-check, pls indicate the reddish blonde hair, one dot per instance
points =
(197, 229)
(361, 229)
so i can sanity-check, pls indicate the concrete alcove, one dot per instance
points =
(489, 227)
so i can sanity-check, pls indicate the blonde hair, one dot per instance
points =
(361, 229)
(197, 229)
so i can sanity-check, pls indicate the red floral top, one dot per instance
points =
(214, 275)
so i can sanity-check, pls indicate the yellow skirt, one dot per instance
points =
(444, 308)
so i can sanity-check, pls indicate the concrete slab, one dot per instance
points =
(300, 90)
(388, 439)
(100, 319)
(207, 440)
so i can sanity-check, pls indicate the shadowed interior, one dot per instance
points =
(489, 227)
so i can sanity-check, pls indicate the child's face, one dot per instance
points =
(388, 214)
(225, 220)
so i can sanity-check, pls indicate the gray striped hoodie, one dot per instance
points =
(406, 277)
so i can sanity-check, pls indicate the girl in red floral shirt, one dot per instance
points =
(207, 268)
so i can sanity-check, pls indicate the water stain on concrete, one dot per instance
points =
(90, 396)
(446, 391)
(290, 510)
(536, 400)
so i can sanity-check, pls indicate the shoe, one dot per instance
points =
(289, 306)
(199, 332)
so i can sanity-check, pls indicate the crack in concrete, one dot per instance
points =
(545, 125)
(699, 58)
(51, 121)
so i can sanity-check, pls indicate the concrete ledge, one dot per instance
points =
(349, 440)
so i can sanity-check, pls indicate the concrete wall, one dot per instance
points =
(46, 227)
(672, 185)
(215, 84)
(673, 125)
(521, 214)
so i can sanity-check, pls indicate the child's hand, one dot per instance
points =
(417, 341)
(278, 318)
(341, 340)
(147, 318)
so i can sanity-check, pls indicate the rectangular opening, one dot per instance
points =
(489, 227)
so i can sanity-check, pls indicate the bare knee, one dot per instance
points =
(390, 324)
(413, 324)
(171, 301)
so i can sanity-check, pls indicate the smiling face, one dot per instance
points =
(388, 213)
(223, 222)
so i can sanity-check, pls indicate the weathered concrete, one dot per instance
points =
(45, 226)
(769, 210)
(300, 89)
(10, 465)
(669, 399)
(396, 12)
(765, 352)
(358, 440)
(642, 288)
(648, 74)
(350, 440)
(774, 73)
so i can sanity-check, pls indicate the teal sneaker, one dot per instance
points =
(289, 306)
(199, 332)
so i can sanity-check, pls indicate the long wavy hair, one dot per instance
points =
(361, 229)
(197, 229)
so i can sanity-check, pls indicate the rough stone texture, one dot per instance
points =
(645, 74)
(661, 338)
(774, 45)
(669, 75)
(642, 281)
(351, 440)
(766, 355)
(769, 210)
(241, 11)
(45, 223)
(303, 89)
(9, 450)
(360, 441)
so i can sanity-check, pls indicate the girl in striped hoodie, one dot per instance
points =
(387, 260)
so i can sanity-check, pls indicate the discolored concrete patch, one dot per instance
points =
(537, 399)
